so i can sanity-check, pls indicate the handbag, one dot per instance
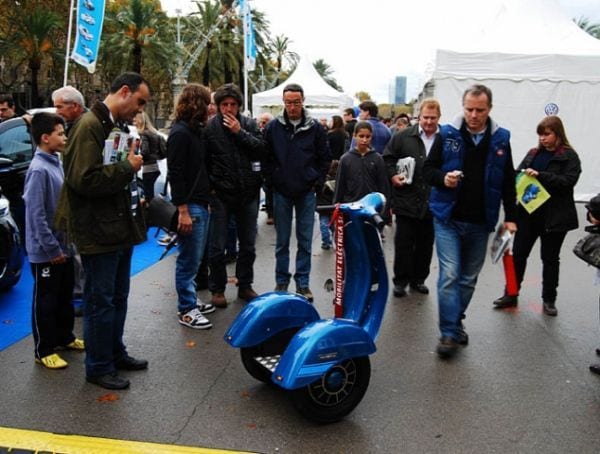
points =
(588, 249)
(162, 213)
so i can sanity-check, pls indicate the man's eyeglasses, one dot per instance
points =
(292, 103)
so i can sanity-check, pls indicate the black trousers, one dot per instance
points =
(148, 180)
(531, 227)
(52, 311)
(413, 248)
(245, 214)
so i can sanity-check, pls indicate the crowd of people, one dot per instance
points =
(444, 184)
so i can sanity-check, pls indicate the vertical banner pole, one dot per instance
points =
(245, 12)
(68, 51)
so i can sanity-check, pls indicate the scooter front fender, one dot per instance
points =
(317, 348)
(267, 315)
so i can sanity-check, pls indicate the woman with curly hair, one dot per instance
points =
(186, 161)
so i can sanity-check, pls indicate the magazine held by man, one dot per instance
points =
(118, 145)
(116, 148)
(405, 167)
(500, 244)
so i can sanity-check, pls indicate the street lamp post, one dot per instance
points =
(178, 81)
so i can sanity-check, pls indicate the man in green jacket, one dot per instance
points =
(98, 207)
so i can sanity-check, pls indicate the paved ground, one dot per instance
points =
(522, 385)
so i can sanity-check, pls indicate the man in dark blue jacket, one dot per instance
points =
(381, 133)
(471, 172)
(299, 159)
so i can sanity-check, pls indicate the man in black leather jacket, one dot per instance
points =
(236, 150)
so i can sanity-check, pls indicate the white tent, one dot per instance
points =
(321, 99)
(537, 62)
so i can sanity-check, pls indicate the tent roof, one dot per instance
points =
(494, 65)
(523, 40)
(317, 92)
(526, 27)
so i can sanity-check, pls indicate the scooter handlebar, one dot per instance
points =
(325, 208)
(379, 222)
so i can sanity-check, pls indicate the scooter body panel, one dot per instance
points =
(317, 348)
(378, 293)
(268, 315)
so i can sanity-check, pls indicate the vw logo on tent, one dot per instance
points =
(551, 109)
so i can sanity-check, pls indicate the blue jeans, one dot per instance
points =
(245, 215)
(105, 308)
(461, 249)
(283, 209)
(324, 220)
(191, 249)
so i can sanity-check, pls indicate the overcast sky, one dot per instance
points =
(367, 44)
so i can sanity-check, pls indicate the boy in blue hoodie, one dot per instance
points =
(49, 256)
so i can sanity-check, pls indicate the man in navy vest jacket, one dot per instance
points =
(471, 172)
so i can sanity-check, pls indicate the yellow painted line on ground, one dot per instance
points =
(71, 444)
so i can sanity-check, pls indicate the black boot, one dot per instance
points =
(506, 301)
(550, 308)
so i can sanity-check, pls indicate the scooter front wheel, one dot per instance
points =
(260, 360)
(336, 393)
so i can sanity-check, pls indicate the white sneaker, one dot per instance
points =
(165, 240)
(194, 319)
(205, 308)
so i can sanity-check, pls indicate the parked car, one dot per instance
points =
(11, 250)
(16, 152)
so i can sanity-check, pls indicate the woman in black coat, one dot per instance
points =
(557, 167)
(338, 138)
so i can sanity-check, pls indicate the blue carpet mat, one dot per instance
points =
(15, 304)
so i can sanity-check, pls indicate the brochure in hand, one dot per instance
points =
(406, 167)
(501, 243)
(530, 192)
(118, 145)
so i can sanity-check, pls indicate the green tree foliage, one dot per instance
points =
(326, 73)
(283, 57)
(362, 96)
(28, 40)
(137, 33)
(588, 27)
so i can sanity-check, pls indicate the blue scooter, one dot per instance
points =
(324, 363)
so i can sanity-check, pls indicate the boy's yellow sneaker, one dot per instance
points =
(52, 361)
(77, 344)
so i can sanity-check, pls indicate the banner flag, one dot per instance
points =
(90, 17)
(249, 42)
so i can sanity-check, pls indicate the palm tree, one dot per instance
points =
(588, 27)
(281, 53)
(326, 72)
(136, 31)
(31, 37)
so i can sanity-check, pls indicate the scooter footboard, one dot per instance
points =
(268, 315)
(317, 348)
